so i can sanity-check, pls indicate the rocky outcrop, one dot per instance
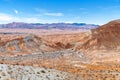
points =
(30, 44)
(10, 72)
(105, 37)
(21, 44)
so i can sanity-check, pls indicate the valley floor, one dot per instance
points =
(54, 56)
(59, 65)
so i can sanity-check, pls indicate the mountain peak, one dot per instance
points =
(106, 37)
(118, 21)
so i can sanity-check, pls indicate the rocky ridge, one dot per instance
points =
(106, 37)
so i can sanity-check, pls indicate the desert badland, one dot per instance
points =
(60, 54)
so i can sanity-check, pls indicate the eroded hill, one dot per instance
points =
(92, 55)
(18, 44)
(105, 37)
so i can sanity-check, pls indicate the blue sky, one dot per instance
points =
(54, 11)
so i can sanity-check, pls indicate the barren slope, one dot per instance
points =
(105, 37)
(90, 55)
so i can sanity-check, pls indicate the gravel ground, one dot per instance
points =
(10, 72)
(39, 55)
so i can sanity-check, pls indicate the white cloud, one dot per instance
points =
(40, 10)
(16, 11)
(53, 14)
(46, 12)
(30, 20)
(6, 18)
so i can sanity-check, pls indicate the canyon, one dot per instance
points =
(91, 54)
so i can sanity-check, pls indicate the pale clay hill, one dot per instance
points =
(91, 55)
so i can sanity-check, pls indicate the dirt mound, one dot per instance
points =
(24, 44)
(20, 44)
(105, 37)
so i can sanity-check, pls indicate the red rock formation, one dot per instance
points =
(25, 44)
(104, 37)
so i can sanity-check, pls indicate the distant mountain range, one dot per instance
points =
(73, 26)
